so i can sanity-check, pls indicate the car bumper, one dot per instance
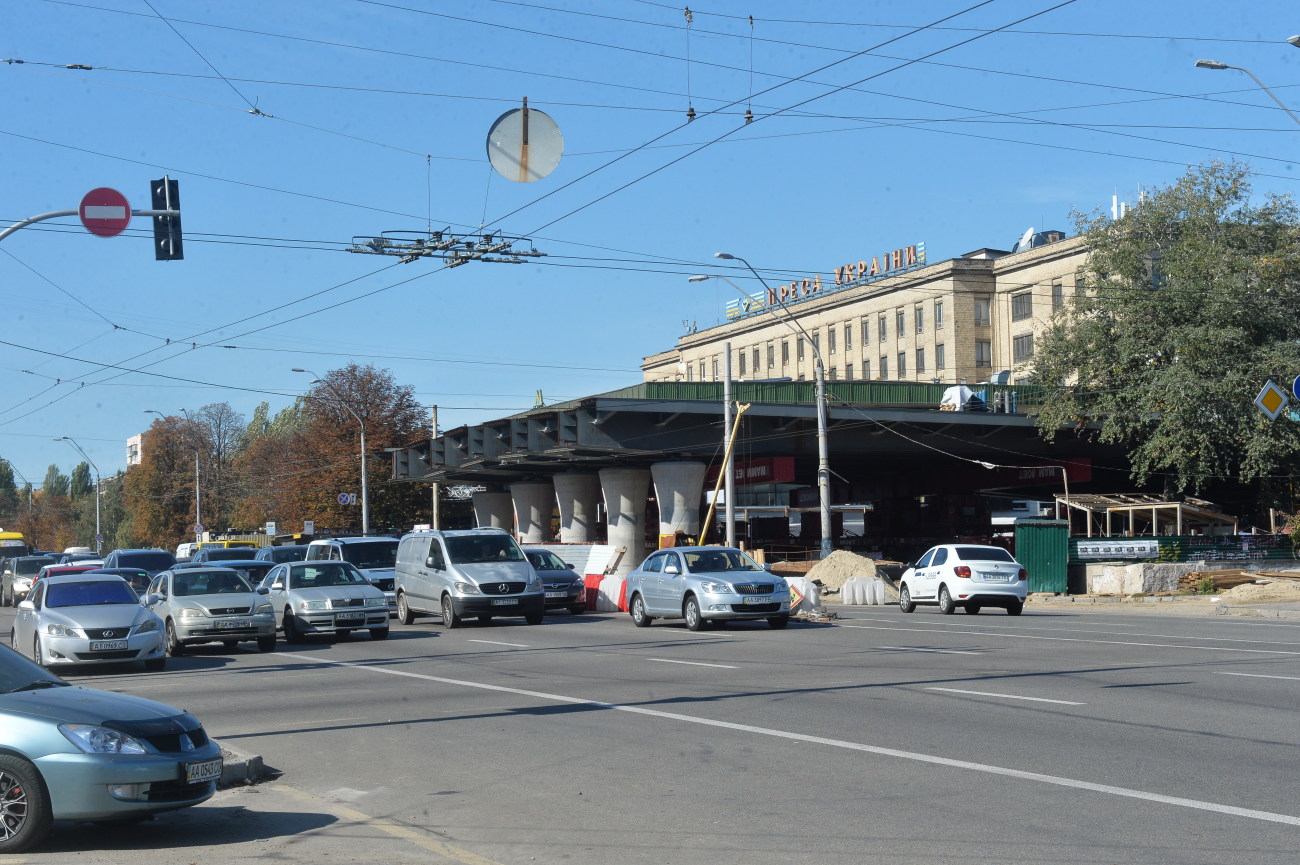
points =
(991, 594)
(574, 597)
(735, 607)
(209, 630)
(524, 605)
(96, 786)
(68, 651)
(326, 622)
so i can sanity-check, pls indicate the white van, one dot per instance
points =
(185, 551)
(456, 574)
(373, 557)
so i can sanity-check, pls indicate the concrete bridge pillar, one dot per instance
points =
(495, 510)
(625, 502)
(577, 496)
(533, 502)
(679, 487)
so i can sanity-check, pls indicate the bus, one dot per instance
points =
(12, 545)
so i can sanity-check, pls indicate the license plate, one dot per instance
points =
(758, 600)
(557, 594)
(233, 623)
(504, 602)
(198, 773)
(349, 617)
(995, 578)
(107, 645)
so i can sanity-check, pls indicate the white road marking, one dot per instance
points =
(1079, 640)
(1008, 696)
(692, 663)
(1260, 676)
(935, 651)
(497, 643)
(934, 760)
(1093, 631)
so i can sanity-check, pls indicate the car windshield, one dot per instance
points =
(28, 567)
(371, 554)
(718, 561)
(983, 554)
(225, 554)
(287, 554)
(545, 560)
(484, 548)
(150, 561)
(19, 674)
(312, 576)
(252, 571)
(223, 582)
(89, 593)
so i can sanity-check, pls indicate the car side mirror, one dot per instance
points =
(767, 566)
(151, 599)
(28, 606)
(672, 569)
(262, 590)
(431, 562)
(279, 587)
(569, 565)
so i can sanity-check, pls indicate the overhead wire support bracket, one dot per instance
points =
(453, 248)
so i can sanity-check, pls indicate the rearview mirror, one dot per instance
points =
(263, 590)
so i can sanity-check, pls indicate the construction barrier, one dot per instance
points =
(804, 596)
(612, 595)
(869, 591)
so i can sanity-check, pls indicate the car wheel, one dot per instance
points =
(905, 599)
(404, 614)
(37, 657)
(1015, 607)
(973, 609)
(691, 613)
(266, 644)
(175, 647)
(779, 622)
(639, 617)
(379, 633)
(449, 617)
(291, 632)
(4, 597)
(534, 618)
(156, 665)
(946, 606)
(25, 816)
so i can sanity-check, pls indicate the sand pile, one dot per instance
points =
(1276, 592)
(835, 569)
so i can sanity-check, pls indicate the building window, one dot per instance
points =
(900, 322)
(771, 356)
(830, 339)
(817, 343)
(848, 372)
(743, 357)
(701, 370)
(799, 349)
(883, 330)
(785, 352)
(902, 364)
(884, 367)
(982, 317)
(920, 361)
(835, 373)
(1022, 347)
(716, 377)
(848, 338)
(1058, 296)
(757, 360)
(983, 353)
(866, 332)
(920, 320)
(689, 372)
(866, 370)
(938, 315)
(940, 362)
(1022, 306)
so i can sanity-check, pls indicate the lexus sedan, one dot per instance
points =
(971, 576)
(706, 585)
(325, 597)
(74, 753)
(210, 605)
(87, 619)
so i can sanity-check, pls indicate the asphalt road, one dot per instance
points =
(1055, 737)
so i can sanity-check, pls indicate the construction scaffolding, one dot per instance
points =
(1144, 515)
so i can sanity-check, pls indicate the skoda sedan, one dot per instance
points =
(706, 585)
(970, 576)
(73, 753)
(87, 619)
(325, 597)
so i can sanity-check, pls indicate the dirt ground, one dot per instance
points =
(1276, 592)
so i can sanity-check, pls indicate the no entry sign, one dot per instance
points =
(105, 212)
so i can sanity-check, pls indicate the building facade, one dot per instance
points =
(964, 319)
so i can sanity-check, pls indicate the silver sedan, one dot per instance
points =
(87, 619)
(325, 597)
(210, 605)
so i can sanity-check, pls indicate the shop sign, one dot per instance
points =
(846, 276)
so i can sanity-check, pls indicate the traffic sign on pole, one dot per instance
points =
(105, 212)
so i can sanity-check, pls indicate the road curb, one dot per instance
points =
(239, 768)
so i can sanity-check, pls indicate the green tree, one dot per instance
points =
(80, 483)
(56, 483)
(8, 492)
(1185, 307)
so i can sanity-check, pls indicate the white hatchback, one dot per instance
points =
(964, 575)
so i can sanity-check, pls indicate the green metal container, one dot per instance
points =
(1043, 547)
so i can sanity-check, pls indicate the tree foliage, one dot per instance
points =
(56, 483)
(1186, 306)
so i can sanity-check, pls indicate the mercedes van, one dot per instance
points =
(457, 574)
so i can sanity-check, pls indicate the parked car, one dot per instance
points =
(16, 579)
(73, 558)
(138, 579)
(75, 753)
(705, 585)
(284, 553)
(565, 588)
(375, 558)
(210, 605)
(325, 598)
(252, 569)
(153, 561)
(964, 575)
(65, 570)
(208, 555)
(85, 619)
(470, 572)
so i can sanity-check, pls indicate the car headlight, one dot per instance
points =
(534, 585)
(313, 605)
(56, 630)
(376, 602)
(191, 613)
(715, 587)
(263, 610)
(147, 627)
(101, 740)
(466, 588)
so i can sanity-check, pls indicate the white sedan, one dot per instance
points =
(87, 619)
(971, 576)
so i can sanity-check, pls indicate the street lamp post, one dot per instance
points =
(1216, 64)
(198, 511)
(365, 499)
(99, 537)
(819, 375)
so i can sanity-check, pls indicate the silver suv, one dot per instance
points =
(706, 585)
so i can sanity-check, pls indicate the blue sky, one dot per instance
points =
(373, 116)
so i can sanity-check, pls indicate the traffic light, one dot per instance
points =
(166, 195)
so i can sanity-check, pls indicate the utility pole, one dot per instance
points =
(433, 434)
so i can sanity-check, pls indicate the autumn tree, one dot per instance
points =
(1186, 307)
(159, 491)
